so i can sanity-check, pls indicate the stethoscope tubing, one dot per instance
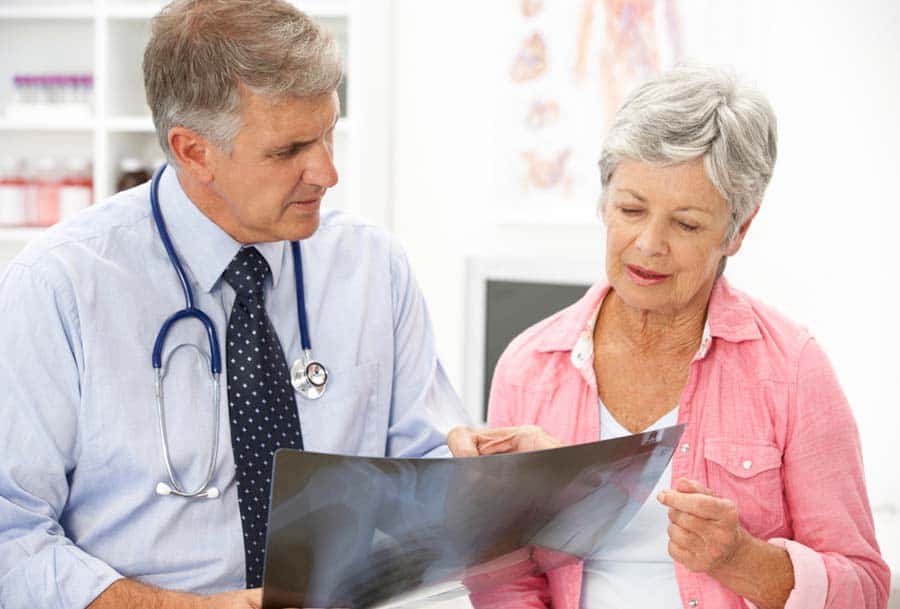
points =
(215, 358)
(301, 301)
(311, 389)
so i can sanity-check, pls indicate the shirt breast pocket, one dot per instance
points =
(748, 473)
(341, 421)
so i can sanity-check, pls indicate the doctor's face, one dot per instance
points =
(270, 187)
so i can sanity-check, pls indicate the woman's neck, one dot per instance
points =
(647, 332)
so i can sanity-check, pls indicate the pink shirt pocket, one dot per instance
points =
(749, 473)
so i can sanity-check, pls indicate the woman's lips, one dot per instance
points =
(644, 277)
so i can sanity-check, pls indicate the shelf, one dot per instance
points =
(19, 234)
(47, 124)
(107, 38)
(130, 124)
(32, 10)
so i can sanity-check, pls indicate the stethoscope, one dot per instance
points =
(308, 376)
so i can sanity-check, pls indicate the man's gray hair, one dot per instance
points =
(694, 112)
(203, 52)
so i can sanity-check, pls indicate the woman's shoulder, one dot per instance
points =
(769, 340)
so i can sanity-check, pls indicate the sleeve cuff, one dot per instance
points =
(61, 576)
(810, 577)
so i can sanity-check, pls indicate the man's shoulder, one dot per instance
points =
(337, 222)
(355, 235)
(101, 229)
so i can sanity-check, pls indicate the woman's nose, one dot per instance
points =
(652, 241)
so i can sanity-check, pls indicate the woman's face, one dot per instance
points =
(665, 232)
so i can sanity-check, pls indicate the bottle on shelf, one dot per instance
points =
(132, 172)
(12, 193)
(44, 191)
(76, 190)
(60, 96)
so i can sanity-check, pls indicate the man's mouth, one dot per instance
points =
(306, 204)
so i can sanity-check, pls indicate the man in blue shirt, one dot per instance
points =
(243, 95)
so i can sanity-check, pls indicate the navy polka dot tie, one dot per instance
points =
(260, 401)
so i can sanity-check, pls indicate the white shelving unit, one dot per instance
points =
(106, 38)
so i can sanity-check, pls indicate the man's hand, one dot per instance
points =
(238, 599)
(467, 442)
(704, 531)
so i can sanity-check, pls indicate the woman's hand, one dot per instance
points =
(704, 531)
(706, 536)
(467, 442)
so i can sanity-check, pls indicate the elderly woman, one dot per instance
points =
(765, 500)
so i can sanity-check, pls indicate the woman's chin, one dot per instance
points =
(648, 299)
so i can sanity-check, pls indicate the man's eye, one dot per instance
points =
(688, 227)
(630, 211)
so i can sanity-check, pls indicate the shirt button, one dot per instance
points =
(693, 602)
(747, 464)
(685, 447)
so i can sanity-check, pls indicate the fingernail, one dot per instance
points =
(661, 497)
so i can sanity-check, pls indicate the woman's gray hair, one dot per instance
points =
(202, 52)
(694, 112)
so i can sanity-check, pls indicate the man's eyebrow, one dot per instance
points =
(288, 146)
(301, 143)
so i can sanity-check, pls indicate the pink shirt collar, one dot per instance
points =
(730, 318)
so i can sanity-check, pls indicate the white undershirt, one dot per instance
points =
(634, 569)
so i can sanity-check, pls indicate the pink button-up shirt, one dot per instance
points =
(766, 424)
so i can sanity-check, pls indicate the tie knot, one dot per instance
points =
(247, 272)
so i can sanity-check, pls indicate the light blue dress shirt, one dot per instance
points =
(80, 308)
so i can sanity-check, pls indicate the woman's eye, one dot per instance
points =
(688, 227)
(630, 211)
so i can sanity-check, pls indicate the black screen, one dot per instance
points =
(513, 306)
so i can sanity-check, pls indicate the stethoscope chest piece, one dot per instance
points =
(309, 377)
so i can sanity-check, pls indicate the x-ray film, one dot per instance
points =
(361, 532)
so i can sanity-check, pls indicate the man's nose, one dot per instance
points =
(319, 169)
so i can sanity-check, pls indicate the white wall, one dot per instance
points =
(824, 248)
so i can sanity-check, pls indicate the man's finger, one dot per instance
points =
(461, 441)
(487, 441)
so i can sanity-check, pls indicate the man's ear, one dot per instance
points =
(192, 153)
(735, 244)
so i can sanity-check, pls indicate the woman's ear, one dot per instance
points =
(732, 247)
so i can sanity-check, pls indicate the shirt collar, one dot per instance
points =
(205, 250)
(730, 317)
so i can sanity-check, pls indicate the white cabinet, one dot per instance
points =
(106, 38)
